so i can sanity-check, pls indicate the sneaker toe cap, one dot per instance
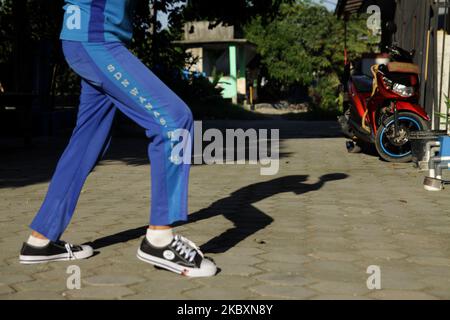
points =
(86, 252)
(208, 267)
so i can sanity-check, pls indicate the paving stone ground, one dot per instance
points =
(310, 232)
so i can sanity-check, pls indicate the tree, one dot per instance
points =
(233, 12)
(6, 30)
(151, 43)
(304, 46)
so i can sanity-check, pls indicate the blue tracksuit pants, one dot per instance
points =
(113, 78)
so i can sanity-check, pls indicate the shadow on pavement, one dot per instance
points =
(22, 166)
(237, 208)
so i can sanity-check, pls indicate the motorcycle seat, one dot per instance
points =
(403, 67)
(362, 83)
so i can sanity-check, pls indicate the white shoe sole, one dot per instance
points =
(208, 268)
(432, 189)
(84, 254)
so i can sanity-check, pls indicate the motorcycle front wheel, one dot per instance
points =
(397, 147)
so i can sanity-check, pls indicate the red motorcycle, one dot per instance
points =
(383, 110)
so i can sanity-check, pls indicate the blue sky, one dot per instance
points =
(330, 4)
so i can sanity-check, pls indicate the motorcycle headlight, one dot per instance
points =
(398, 88)
(403, 90)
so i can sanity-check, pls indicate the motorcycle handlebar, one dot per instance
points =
(400, 52)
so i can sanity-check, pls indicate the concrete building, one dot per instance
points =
(223, 51)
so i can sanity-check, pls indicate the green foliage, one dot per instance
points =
(445, 116)
(6, 30)
(26, 27)
(157, 51)
(300, 44)
(45, 19)
(325, 94)
(204, 97)
(152, 44)
(233, 12)
(41, 20)
(304, 47)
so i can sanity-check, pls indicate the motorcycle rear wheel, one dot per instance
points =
(398, 149)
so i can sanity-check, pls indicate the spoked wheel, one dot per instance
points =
(397, 147)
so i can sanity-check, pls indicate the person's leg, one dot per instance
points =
(87, 144)
(168, 122)
(145, 99)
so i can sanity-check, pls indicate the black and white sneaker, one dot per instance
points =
(181, 256)
(54, 251)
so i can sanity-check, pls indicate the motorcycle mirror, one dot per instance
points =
(391, 27)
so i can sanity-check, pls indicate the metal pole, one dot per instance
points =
(346, 17)
(442, 65)
(425, 55)
(434, 46)
(447, 32)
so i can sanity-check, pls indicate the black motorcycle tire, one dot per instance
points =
(424, 125)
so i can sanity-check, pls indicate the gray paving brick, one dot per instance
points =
(284, 292)
(14, 278)
(218, 293)
(4, 289)
(322, 238)
(284, 279)
(340, 288)
(112, 280)
(401, 295)
(339, 297)
(108, 292)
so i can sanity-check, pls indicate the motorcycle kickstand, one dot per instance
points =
(353, 147)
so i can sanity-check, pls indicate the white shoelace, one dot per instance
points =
(69, 250)
(184, 246)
